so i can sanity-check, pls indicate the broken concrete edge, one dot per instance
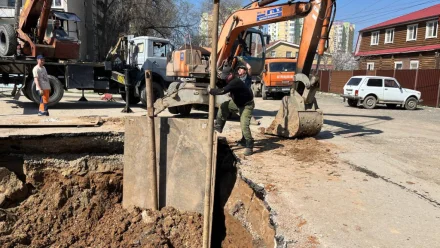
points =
(60, 143)
(60, 135)
(261, 194)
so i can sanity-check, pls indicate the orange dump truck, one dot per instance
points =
(276, 78)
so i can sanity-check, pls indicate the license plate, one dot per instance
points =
(285, 89)
(349, 90)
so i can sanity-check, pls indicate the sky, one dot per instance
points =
(365, 13)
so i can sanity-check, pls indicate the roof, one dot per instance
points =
(432, 11)
(275, 43)
(400, 50)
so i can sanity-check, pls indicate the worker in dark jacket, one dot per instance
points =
(242, 102)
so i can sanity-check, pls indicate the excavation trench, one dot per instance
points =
(66, 190)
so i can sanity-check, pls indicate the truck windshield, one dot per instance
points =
(282, 66)
(354, 81)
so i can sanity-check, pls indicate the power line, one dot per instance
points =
(345, 5)
(366, 8)
(375, 10)
(379, 14)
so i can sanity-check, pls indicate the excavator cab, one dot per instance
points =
(62, 26)
(253, 49)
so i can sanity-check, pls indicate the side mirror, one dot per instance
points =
(264, 71)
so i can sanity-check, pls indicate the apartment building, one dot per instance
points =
(341, 37)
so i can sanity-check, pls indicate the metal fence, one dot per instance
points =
(425, 81)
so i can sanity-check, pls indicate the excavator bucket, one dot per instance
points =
(295, 120)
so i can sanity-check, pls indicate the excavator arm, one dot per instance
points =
(316, 14)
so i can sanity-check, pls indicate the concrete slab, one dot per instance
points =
(181, 157)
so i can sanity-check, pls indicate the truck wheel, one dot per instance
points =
(411, 103)
(256, 89)
(133, 99)
(56, 91)
(8, 40)
(263, 92)
(157, 93)
(370, 102)
(352, 103)
(184, 110)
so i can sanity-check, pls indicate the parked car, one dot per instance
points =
(371, 90)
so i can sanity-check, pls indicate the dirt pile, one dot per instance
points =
(11, 188)
(85, 211)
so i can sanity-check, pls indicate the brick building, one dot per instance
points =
(407, 42)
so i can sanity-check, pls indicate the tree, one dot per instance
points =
(344, 61)
(227, 7)
(161, 18)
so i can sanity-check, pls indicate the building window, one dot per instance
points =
(411, 32)
(296, 55)
(375, 38)
(273, 53)
(398, 65)
(431, 29)
(57, 4)
(370, 66)
(288, 54)
(414, 65)
(389, 35)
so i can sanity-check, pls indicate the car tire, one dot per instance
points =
(391, 106)
(369, 102)
(263, 92)
(411, 103)
(352, 103)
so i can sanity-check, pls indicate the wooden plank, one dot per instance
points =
(39, 121)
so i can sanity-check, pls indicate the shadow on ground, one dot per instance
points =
(353, 130)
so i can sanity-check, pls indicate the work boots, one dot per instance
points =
(249, 147)
(241, 143)
(218, 126)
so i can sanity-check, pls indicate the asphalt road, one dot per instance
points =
(371, 181)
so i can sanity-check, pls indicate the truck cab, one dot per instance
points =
(150, 53)
(277, 77)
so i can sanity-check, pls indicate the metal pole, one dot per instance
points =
(127, 108)
(152, 135)
(208, 181)
(17, 13)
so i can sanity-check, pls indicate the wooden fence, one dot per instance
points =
(425, 81)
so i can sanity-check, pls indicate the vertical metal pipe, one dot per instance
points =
(208, 181)
(17, 13)
(152, 135)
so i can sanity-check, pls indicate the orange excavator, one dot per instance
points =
(299, 115)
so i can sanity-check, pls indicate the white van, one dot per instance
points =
(372, 90)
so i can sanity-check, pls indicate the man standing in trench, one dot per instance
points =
(42, 84)
(242, 102)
